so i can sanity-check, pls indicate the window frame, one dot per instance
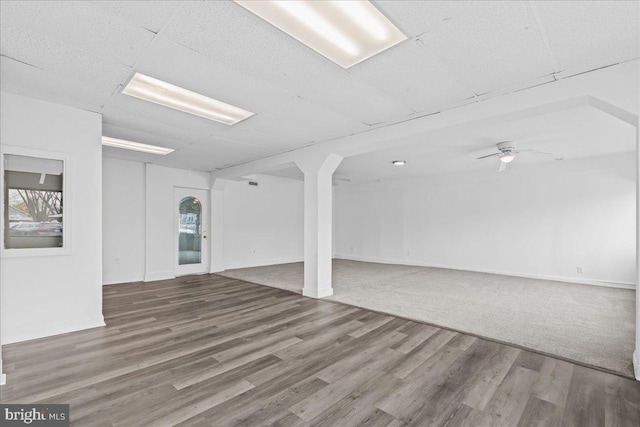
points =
(66, 197)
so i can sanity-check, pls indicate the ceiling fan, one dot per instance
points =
(507, 153)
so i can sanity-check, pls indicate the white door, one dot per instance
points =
(191, 231)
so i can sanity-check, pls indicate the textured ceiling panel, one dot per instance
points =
(419, 17)
(33, 82)
(492, 45)
(152, 15)
(81, 25)
(60, 58)
(245, 42)
(409, 74)
(585, 35)
(301, 123)
(203, 157)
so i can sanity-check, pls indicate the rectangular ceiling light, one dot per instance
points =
(130, 145)
(168, 95)
(346, 32)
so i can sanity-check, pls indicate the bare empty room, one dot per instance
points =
(319, 213)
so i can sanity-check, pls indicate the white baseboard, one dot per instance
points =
(636, 364)
(314, 293)
(41, 331)
(3, 379)
(161, 275)
(592, 282)
(261, 263)
(119, 281)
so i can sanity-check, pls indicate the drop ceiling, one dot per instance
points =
(81, 54)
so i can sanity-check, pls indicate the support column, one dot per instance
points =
(318, 219)
(636, 353)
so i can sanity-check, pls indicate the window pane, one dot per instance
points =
(190, 232)
(33, 202)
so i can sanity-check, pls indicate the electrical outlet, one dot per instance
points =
(117, 260)
(579, 270)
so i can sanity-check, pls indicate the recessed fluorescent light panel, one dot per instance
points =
(399, 162)
(163, 93)
(130, 145)
(346, 32)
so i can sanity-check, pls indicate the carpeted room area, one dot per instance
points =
(589, 324)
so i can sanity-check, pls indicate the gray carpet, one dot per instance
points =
(590, 324)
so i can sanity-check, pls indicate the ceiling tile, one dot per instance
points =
(492, 45)
(299, 123)
(151, 15)
(60, 58)
(79, 24)
(204, 157)
(590, 34)
(26, 80)
(412, 76)
(418, 17)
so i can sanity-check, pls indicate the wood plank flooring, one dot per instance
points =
(213, 351)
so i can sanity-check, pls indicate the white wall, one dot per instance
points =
(540, 220)
(160, 216)
(265, 224)
(123, 224)
(47, 295)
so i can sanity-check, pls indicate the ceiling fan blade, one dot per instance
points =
(488, 155)
(503, 167)
(532, 151)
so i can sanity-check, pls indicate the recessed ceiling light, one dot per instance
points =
(399, 162)
(168, 95)
(346, 32)
(137, 146)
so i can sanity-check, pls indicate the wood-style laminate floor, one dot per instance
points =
(208, 350)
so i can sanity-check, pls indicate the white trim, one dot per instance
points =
(261, 263)
(160, 275)
(317, 293)
(636, 365)
(66, 197)
(42, 331)
(591, 282)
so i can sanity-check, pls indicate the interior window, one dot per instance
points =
(33, 195)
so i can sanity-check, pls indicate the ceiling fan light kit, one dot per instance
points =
(507, 158)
